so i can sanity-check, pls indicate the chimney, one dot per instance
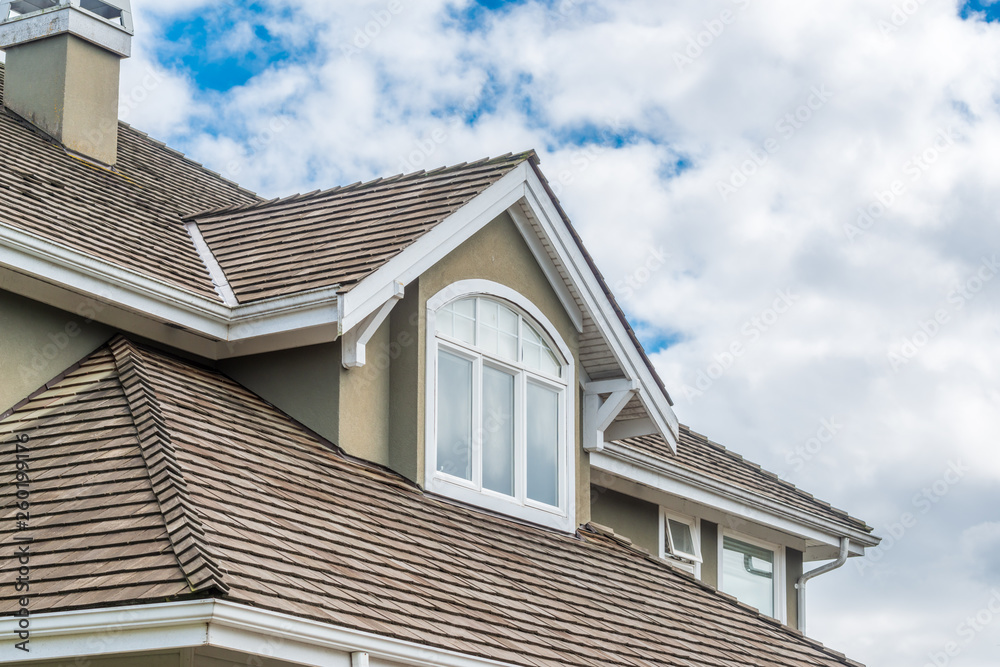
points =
(63, 68)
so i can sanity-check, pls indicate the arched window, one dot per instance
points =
(499, 403)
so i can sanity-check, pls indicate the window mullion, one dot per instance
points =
(521, 438)
(477, 411)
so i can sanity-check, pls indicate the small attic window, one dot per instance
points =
(499, 410)
(679, 541)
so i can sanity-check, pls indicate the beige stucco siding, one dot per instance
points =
(630, 517)
(37, 343)
(302, 382)
(498, 253)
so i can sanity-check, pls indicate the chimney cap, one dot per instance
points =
(106, 23)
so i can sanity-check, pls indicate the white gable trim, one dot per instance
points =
(65, 278)
(519, 187)
(625, 351)
(220, 624)
(633, 466)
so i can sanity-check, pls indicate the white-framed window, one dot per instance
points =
(680, 541)
(499, 405)
(753, 572)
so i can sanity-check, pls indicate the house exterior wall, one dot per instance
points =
(627, 516)
(710, 553)
(37, 343)
(793, 570)
(496, 253)
(302, 382)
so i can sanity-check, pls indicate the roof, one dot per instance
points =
(154, 479)
(140, 204)
(337, 237)
(697, 454)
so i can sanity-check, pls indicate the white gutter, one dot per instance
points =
(89, 277)
(800, 585)
(225, 625)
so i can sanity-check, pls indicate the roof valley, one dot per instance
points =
(184, 527)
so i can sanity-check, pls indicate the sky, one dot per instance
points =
(810, 185)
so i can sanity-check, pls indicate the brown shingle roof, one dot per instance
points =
(130, 217)
(696, 453)
(296, 527)
(337, 237)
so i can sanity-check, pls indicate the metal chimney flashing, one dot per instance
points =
(68, 17)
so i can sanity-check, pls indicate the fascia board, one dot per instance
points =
(369, 295)
(622, 347)
(632, 466)
(221, 624)
(102, 280)
(56, 265)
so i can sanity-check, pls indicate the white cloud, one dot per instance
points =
(891, 93)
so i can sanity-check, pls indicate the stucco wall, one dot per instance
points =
(496, 253)
(710, 553)
(793, 570)
(635, 519)
(37, 343)
(302, 382)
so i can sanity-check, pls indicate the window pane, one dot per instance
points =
(464, 316)
(537, 354)
(497, 330)
(498, 431)
(748, 574)
(454, 444)
(681, 538)
(543, 445)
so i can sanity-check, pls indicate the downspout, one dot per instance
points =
(800, 585)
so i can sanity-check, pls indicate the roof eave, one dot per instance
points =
(97, 290)
(637, 467)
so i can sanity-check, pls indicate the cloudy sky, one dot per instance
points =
(834, 161)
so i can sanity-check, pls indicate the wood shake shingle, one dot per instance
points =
(130, 217)
(336, 238)
(699, 455)
(293, 525)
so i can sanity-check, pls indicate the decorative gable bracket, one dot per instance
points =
(599, 413)
(353, 341)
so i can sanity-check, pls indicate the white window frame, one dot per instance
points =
(562, 517)
(779, 568)
(684, 562)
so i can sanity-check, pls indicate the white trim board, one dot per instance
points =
(219, 624)
(627, 465)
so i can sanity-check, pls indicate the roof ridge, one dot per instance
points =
(184, 527)
(513, 158)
